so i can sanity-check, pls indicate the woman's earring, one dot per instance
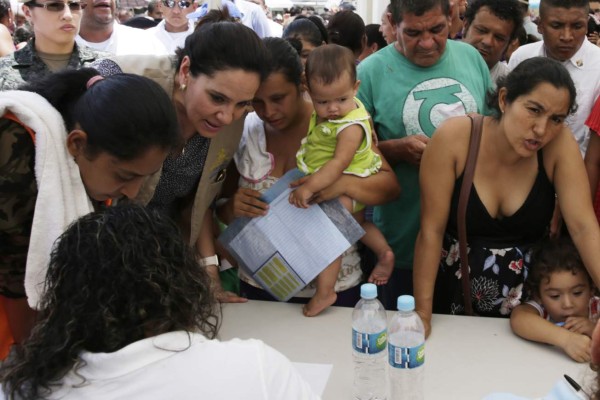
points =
(182, 87)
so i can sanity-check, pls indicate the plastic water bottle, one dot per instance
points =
(369, 340)
(406, 349)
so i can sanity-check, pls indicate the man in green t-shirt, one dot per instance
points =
(409, 88)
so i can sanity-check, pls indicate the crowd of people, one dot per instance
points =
(441, 106)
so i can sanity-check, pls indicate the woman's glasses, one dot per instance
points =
(181, 3)
(57, 6)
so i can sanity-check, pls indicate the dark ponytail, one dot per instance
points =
(122, 114)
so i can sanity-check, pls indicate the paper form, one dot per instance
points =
(290, 246)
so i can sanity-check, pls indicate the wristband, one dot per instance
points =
(206, 261)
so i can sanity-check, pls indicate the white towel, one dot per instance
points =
(61, 195)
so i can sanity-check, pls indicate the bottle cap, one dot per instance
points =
(406, 303)
(368, 291)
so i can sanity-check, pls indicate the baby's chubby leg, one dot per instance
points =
(325, 295)
(374, 240)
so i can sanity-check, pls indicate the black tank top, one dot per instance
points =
(527, 225)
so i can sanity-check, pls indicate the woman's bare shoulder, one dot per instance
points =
(453, 133)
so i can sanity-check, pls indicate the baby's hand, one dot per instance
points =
(301, 197)
(580, 325)
(577, 346)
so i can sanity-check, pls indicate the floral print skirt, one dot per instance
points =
(497, 277)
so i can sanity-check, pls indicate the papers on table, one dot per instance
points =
(316, 375)
(290, 246)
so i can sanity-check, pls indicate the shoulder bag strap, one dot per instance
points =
(465, 190)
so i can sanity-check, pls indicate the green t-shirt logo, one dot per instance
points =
(430, 102)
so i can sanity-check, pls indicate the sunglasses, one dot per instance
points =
(181, 3)
(57, 6)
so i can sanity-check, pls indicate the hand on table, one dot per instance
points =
(577, 346)
(225, 296)
(426, 322)
(580, 325)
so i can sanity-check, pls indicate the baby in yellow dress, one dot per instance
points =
(339, 142)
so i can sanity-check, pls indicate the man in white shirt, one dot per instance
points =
(100, 31)
(490, 26)
(530, 26)
(254, 17)
(563, 25)
(275, 28)
(175, 26)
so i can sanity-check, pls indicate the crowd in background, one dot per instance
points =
(242, 95)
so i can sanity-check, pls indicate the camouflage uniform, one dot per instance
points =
(24, 65)
(18, 192)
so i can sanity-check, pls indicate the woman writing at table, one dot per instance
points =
(268, 150)
(129, 314)
(211, 81)
(527, 156)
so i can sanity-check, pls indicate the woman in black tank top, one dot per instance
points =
(527, 157)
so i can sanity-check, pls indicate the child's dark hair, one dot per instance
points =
(329, 62)
(553, 255)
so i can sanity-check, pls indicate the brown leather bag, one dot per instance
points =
(463, 199)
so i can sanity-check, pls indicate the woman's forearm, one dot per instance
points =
(380, 188)
(425, 267)
(592, 162)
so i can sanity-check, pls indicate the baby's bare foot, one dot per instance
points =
(318, 303)
(383, 270)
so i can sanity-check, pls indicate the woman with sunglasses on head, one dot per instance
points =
(212, 82)
(53, 48)
(175, 26)
(70, 143)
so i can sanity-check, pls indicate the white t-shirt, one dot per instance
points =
(126, 40)
(584, 68)
(170, 40)
(499, 70)
(253, 16)
(181, 365)
(276, 30)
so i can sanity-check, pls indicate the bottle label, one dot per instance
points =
(369, 343)
(406, 357)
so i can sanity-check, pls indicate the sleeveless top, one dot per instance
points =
(499, 251)
(527, 225)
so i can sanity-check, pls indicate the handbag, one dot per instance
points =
(463, 199)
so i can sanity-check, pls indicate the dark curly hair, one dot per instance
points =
(115, 277)
(553, 255)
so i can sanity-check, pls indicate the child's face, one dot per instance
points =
(565, 294)
(335, 100)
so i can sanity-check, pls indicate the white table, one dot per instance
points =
(465, 357)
